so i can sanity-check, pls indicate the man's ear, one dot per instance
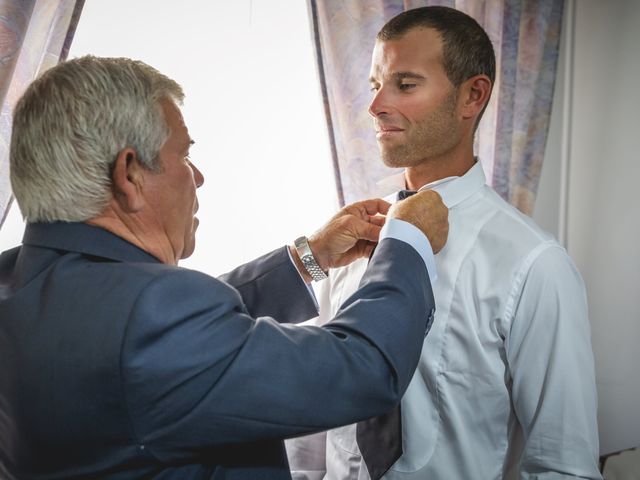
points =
(475, 95)
(127, 181)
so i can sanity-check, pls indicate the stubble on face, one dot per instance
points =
(430, 137)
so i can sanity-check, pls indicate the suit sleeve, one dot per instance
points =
(552, 370)
(271, 286)
(199, 371)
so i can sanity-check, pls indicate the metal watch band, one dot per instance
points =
(308, 260)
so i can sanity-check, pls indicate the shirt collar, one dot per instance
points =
(453, 190)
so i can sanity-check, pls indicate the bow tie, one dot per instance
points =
(402, 194)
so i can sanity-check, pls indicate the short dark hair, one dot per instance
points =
(466, 48)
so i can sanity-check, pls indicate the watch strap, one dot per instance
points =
(308, 260)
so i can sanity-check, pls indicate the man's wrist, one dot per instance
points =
(299, 265)
(323, 262)
(308, 259)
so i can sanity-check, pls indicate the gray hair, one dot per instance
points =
(69, 127)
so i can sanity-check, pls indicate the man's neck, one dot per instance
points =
(135, 230)
(451, 164)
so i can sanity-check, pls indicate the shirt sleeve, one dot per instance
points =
(552, 371)
(408, 233)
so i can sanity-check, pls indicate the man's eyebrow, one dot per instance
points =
(401, 76)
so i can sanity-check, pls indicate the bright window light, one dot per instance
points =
(252, 105)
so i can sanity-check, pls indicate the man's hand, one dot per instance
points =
(351, 234)
(426, 211)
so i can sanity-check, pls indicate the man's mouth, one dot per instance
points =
(387, 131)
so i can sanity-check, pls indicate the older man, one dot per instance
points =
(116, 363)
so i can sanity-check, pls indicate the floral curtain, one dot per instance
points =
(34, 36)
(512, 135)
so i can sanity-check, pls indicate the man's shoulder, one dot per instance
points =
(514, 242)
(135, 275)
(128, 283)
(504, 224)
(156, 278)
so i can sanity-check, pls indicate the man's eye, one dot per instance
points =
(407, 86)
(374, 88)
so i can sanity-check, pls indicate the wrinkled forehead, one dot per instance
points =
(419, 49)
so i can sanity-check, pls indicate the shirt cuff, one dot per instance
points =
(309, 287)
(408, 233)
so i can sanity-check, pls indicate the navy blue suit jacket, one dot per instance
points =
(114, 365)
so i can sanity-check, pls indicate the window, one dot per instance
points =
(252, 104)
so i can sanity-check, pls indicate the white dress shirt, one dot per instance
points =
(505, 387)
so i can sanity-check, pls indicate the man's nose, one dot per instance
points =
(378, 105)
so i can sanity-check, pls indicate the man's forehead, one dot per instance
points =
(175, 122)
(417, 47)
(171, 110)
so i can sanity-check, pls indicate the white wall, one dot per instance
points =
(598, 115)
(604, 223)
(547, 207)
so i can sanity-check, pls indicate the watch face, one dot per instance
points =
(301, 242)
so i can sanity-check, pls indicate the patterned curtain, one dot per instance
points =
(34, 36)
(512, 135)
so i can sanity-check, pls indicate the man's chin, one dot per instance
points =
(394, 161)
(190, 243)
(188, 251)
(400, 157)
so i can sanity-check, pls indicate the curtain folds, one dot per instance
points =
(34, 36)
(512, 135)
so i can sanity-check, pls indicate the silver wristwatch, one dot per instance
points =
(308, 260)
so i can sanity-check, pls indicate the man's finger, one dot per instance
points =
(378, 220)
(376, 205)
(365, 230)
(362, 249)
